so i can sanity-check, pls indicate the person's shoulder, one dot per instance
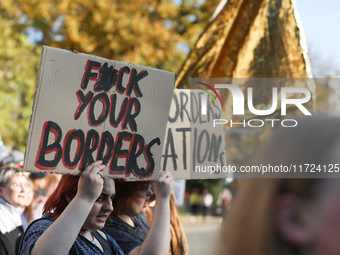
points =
(46, 219)
(12, 235)
(33, 232)
(40, 224)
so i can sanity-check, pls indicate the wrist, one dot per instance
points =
(83, 199)
(162, 201)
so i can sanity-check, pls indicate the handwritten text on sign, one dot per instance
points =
(191, 139)
(110, 102)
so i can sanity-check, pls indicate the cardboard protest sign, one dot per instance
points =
(193, 147)
(88, 108)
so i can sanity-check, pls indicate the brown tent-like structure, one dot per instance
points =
(250, 39)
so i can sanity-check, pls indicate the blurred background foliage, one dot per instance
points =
(19, 63)
(154, 33)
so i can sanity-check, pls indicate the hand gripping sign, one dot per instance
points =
(88, 108)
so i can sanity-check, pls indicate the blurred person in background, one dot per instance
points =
(28, 207)
(39, 185)
(14, 157)
(52, 181)
(13, 191)
(128, 225)
(195, 201)
(223, 202)
(206, 201)
(289, 215)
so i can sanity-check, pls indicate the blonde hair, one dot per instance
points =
(49, 178)
(7, 172)
(249, 227)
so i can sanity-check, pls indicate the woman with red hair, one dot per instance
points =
(75, 212)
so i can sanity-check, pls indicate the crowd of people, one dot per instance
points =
(88, 214)
(22, 197)
(201, 203)
(54, 214)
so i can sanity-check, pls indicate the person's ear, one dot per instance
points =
(1, 192)
(292, 219)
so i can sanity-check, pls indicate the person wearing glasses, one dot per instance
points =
(127, 223)
(13, 190)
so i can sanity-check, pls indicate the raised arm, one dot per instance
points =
(60, 236)
(157, 240)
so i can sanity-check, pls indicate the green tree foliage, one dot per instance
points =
(19, 63)
(141, 32)
(149, 32)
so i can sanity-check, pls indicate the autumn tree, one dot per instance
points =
(150, 32)
(140, 32)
